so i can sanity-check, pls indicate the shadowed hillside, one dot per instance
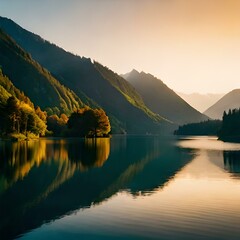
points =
(162, 100)
(115, 95)
(229, 101)
(27, 75)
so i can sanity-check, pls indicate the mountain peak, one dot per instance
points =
(159, 98)
(134, 71)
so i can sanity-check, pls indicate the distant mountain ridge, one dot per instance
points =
(229, 101)
(114, 94)
(199, 101)
(162, 100)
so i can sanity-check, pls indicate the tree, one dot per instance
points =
(230, 130)
(57, 125)
(20, 117)
(42, 115)
(89, 122)
(102, 122)
(24, 122)
(13, 115)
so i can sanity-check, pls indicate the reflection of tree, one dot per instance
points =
(30, 171)
(94, 153)
(232, 161)
(88, 153)
(18, 158)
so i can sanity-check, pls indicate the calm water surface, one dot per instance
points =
(120, 188)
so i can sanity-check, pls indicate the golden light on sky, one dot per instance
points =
(192, 45)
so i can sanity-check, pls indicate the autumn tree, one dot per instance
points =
(19, 117)
(89, 122)
(57, 125)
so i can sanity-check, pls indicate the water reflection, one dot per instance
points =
(232, 161)
(18, 158)
(190, 195)
(225, 155)
(52, 178)
(92, 153)
(207, 143)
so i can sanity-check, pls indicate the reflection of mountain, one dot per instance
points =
(232, 161)
(56, 185)
(160, 171)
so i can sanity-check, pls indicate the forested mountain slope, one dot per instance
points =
(113, 93)
(162, 100)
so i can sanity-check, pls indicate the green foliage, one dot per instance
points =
(17, 113)
(210, 127)
(121, 84)
(230, 130)
(7, 89)
(127, 90)
(17, 136)
(33, 79)
(4, 95)
(89, 122)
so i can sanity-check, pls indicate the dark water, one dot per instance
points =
(120, 188)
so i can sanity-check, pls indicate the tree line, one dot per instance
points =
(17, 117)
(83, 122)
(209, 127)
(227, 129)
(230, 130)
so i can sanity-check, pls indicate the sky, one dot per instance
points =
(191, 45)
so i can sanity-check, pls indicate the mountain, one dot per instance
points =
(229, 101)
(162, 100)
(201, 101)
(35, 81)
(114, 94)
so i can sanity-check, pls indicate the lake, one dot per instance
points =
(126, 187)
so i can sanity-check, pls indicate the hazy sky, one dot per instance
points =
(192, 45)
